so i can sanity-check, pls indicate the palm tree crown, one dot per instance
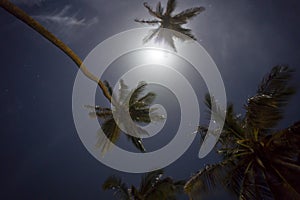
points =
(166, 20)
(137, 104)
(258, 162)
(152, 187)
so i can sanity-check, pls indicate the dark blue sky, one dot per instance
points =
(41, 155)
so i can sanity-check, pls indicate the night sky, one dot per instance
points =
(41, 154)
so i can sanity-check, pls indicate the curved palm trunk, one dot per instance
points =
(24, 17)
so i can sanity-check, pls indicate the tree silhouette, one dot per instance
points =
(258, 162)
(137, 103)
(24, 17)
(152, 187)
(166, 20)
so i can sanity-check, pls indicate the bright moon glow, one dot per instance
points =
(156, 56)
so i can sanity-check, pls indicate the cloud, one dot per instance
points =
(64, 23)
(62, 18)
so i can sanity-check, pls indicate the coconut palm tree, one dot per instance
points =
(258, 162)
(137, 103)
(35, 25)
(152, 187)
(165, 19)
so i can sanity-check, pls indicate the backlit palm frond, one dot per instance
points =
(123, 92)
(264, 110)
(166, 36)
(246, 180)
(109, 88)
(152, 34)
(97, 111)
(153, 187)
(159, 9)
(137, 92)
(184, 31)
(171, 5)
(232, 128)
(149, 22)
(206, 180)
(138, 143)
(286, 143)
(164, 189)
(185, 15)
(115, 183)
(279, 181)
(284, 149)
(112, 133)
(149, 180)
(151, 11)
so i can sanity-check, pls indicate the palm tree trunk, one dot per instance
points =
(24, 17)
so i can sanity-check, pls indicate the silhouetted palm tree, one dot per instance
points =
(152, 187)
(35, 25)
(166, 20)
(258, 162)
(137, 103)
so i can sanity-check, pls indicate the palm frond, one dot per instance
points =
(163, 189)
(149, 180)
(115, 183)
(166, 36)
(285, 144)
(123, 91)
(159, 9)
(171, 5)
(246, 181)
(109, 88)
(152, 34)
(185, 31)
(151, 11)
(97, 111)
(138, 143)
(185, 15)
(137, 92)
(149, 22)
(148, 98)
(205, 180)
(264, 110)
(280, 186)
(112, 133)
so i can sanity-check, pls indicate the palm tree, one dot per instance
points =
(24, 17)
(258, 162)
(166, 20)
(152, 187)
(138, 104)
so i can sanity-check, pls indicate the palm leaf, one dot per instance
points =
(138, 143)
(185, 15)
(109, 88)
(149, 22)
(115, 183)
(185, 31)
(137, 92)
(151, 11)
(149, 179)
(112, 133)
(166, 36)
(264, 110)
(159, 9)
(123, 92)
(152, 33)
(171, 5)
(206, 180)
